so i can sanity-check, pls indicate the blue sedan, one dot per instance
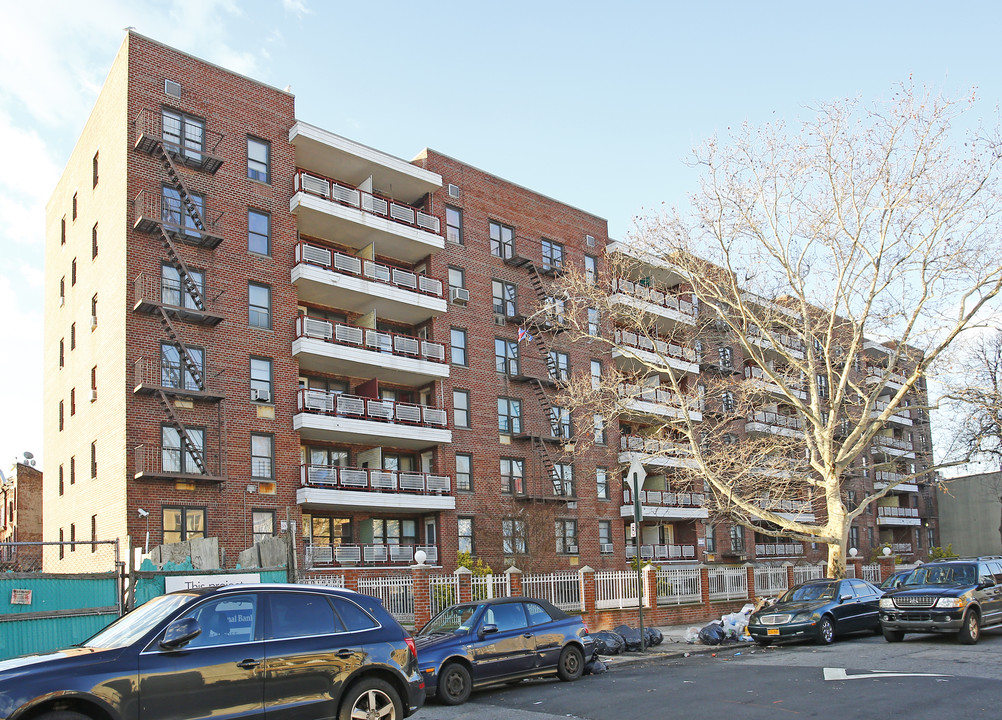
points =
(818, 610)
(475, 644)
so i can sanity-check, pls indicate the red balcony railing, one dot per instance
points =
(346, 264)
(369, 339)
(336, 477)
(363, 408)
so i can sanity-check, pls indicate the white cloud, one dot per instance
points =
(21, 366)
(296, 7)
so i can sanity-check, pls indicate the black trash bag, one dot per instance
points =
(595, 667)
(712, 634)
(608, 642)
(653, 636)
(631, 636)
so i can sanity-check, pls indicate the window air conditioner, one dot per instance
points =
(459, 296)
(260, 395)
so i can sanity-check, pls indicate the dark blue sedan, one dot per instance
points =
(503, 640)
(818, 610)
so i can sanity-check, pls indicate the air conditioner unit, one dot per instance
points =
(499, 319)
(93, 395)
(453, 191)
(458, 295)
(572, 549)
(62, 300)
(590, 240)
(172, 88)
(260, 395)
(93, 321)
(605, 548)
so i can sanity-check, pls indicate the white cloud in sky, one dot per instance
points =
(21, 365)
(296, 7)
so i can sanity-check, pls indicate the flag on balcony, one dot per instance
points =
(523, 334)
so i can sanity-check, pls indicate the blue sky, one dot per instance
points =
(595, 104)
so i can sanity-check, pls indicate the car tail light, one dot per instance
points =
(410, 643)
(585, 626)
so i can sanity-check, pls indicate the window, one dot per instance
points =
(596, 374)
(506, 356)
(553, 254)
(301, 615)
(326, 530)
(62, 290)
(73, 336)
(605, 536)
(258, 160)
(822, 382)
(512, 476)
(727, 401)
(567, 536)
(930, 536)
(464, 472)
(509, 416)
(259, 301)
(593, 322)
(93, 170)
(563, 475)
(502, 240)
(74, 206)
(854, 536)
(62, 548)
(73, 537)
(183, 523)
(93, 312)
(61, 423)
(461, 408)
(175, 213)
(394, 532)
(183, 134)
(513, 537)
(457, 346)
(73, 470)
(869, 538)
(918, 538)
(505, 294)
(465, 534)
(263, 522)
(559, 366)
(93, 242)
(174, 373)
(710, 538)
(599, 428)
(560, 422)
(737, 539)
(62, 230)
(62, 352)
(262, 456)
(176, 460)
(591, 269)
(171, 291)
(454, 225)
(73, 402)
(61, 486)
(73, 272)
(93, 459)
(457, 277)
(226, 621)
(258, 232)
(602, 483)
(726, 358)
(260, 379)
(553, 307)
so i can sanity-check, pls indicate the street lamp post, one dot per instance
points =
(637, 517)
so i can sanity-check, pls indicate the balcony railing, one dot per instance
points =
(150, 212)
(903, 413)
(346, 194)
(371, 554)
(888, 477)
(363, 408)
(172, 378)
(776, 420)
(642, 342)
(655, 297)
(369, 339)
(368, 479)
(343, 263)
(666, 499)
(901, 547)
(658, 396)
(778, 549)
(780, 505)
(892, 442)
(757, 373)
(894, 511)
(653, 446)
(149, 131)
(879, 374)
(173, 463)
(152, 291)
(662, 552)
(790, 342)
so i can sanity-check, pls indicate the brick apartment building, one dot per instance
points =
(20, 517)
(251, 319)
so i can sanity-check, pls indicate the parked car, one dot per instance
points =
(956, 596)
(818, 610)
(474, 644)
(892, 582)
(238, 651)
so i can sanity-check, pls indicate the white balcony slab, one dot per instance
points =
(629, 355)
(334, 428)
(666, 512)
(898, 521)
(327, 357)
(360, 499)
(650, 308)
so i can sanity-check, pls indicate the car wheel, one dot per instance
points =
(764, 642)
(371, 697)
(826, 631)
(970, 631)
(571, 663)
(893, 635)
(454, 684)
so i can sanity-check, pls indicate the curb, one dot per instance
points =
(657, 653)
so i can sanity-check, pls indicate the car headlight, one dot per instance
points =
(886, 604)
(802, 616)
(947, 602)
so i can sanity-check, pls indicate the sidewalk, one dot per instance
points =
(674, 645)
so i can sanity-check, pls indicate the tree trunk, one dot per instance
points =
(836, 560)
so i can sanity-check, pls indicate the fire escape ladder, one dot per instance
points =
(175, 180)
(550, 466)
(194, 452)
(187, 281)
(186, 359)
(556, 429)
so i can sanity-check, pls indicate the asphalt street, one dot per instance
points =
(927, 676)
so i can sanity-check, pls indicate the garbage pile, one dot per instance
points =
(730, 628)
(624, 639)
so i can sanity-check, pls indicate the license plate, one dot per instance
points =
(772, 631)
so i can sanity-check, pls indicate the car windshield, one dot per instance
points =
(132, 626)
(814, 591)
(894, 580)
(455, 619)
(943, 575)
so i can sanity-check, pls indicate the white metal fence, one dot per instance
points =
(677, 585)
(443, 591)
(561, 589)
(617, 589)
(803, 573)
(396, 592)
(484, 587)
(770, 581)
(334, 581)
(728, 583)
(871, 573)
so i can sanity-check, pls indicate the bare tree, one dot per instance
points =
(839, 261)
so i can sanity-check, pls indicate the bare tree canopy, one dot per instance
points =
(789, 318)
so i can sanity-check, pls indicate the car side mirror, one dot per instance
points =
(180, 632)
(843, 598)
(986, 582)
(487, 629)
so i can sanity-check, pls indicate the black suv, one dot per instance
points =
(954, 596)
(243, 651)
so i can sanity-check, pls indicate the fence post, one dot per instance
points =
(587, 575)
(351, 579)
(422, 595)
(886, 567)
(514, 581)
(464, 579)
(750, 572)
(790, 577)
(704, 586)
(857, 563)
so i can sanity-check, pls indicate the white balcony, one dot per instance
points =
(349, 555)
(882, 479)
(338, 348)
(661, 505)
(902, 416)
(636, 349)
(662, 552)
(894, 515)
(778, 342)
(656, 302)
(796, 510)
(658, 401)
(893, 381)
(756, 377)
(767, 550)
(893, 447)
(334, 417)
(327, 277)
(653, 452)
(334, 487)
(774, 423)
